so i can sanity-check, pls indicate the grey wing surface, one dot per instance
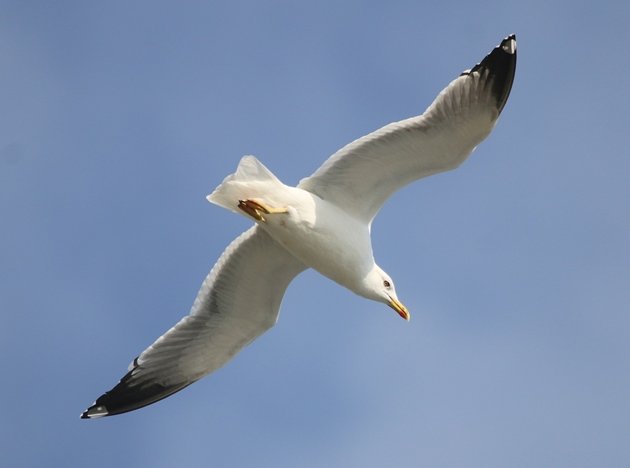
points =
(239, 300)
(361, 176)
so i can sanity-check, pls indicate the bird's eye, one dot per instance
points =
(387, 284)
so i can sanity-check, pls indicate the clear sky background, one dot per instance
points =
(118, 117)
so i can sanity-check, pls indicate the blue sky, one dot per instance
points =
(119, 117)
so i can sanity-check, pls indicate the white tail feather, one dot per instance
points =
(251, 180)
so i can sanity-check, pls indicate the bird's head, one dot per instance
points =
(378, 286)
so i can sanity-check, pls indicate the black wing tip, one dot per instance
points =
(504, 52)
(95, 411)
(131, 393)
(509, 44)
(501, 65)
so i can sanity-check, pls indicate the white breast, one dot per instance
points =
(323, 237)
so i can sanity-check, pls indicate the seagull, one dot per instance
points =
(323, 223)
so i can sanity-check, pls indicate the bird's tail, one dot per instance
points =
(251, 180)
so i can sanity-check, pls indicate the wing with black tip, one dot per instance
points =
(238, 301)
(361, 176)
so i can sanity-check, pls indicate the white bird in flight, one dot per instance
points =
(323, 223)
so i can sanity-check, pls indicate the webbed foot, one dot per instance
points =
(256, 209)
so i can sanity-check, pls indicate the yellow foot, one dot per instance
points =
(256, 209)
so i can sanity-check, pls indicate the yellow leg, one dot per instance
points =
(256, 209)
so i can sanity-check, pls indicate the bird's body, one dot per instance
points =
(309, 227)
(323, 223)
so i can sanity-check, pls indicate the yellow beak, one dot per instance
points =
(400, 308)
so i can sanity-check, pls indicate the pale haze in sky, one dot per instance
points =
(118, 118)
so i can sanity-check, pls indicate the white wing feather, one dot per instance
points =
(361, 176)
(238, 301)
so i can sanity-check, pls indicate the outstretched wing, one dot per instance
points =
(362, 175)
(238, 301)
